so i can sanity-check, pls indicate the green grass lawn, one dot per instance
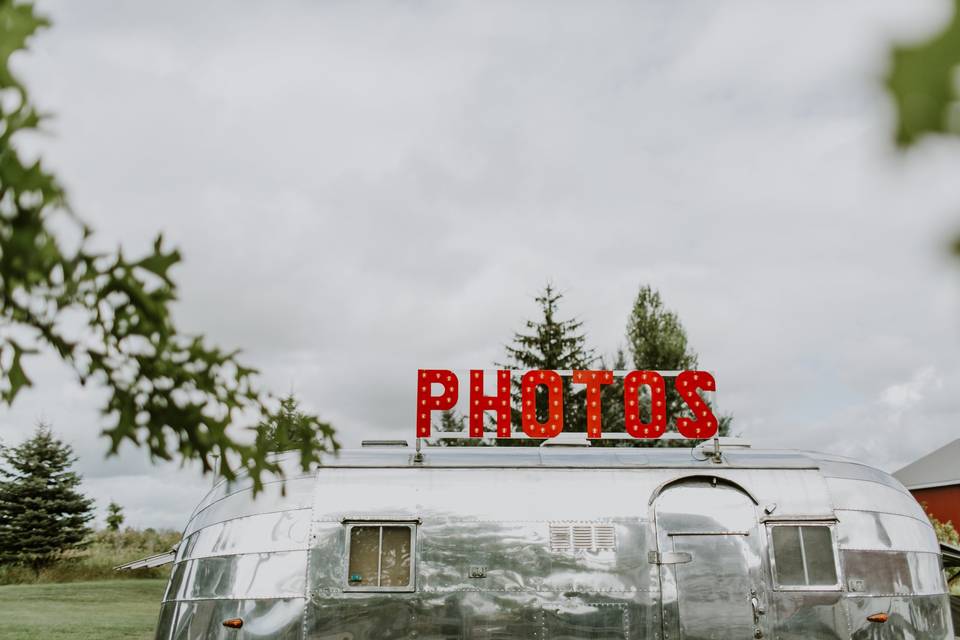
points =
(106, 610)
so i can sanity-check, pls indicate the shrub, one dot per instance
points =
(103, 551)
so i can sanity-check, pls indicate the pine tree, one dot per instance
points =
(611, 396)
(453, 422)
(657, 341)
(114, 517)
(550, 343)
(42, 512)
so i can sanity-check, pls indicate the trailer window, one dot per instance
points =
(380, 556)
(803, 557)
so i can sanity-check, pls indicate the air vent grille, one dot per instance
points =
(559, 538)
(603, 536)
(582, 537)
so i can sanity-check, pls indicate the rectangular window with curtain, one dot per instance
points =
(803, 557)
(380, 556)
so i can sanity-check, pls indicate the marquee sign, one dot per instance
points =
(439, 390)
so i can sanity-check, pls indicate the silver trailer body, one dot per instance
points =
(562, 543)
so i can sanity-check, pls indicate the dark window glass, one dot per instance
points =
(804, 556)
(788, 556)
(818, 550)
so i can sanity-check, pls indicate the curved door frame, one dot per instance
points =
(670, 561)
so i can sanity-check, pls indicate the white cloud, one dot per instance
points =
(904, 396)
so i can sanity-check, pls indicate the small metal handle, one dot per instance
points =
(757, 609)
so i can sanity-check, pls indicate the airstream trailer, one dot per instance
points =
(564, 543)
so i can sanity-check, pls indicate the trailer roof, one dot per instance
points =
(565, 457)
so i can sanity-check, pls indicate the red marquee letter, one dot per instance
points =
(427, 403)
(554, 424)
(593, 380)
(480, 403)
(631, 404)
(704, 423)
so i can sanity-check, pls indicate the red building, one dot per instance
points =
(934, 480)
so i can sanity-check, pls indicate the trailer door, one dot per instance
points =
(710, 562)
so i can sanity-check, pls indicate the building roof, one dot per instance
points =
(937, 469)
(951, 555)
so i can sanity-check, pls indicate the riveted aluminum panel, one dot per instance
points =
(881, 531)
(859, 495)
(448, 616)
(852, 470)
(262, 533)
(175, 584)
(894, 572)
(623, 572)
(801, 615)
(514, 556)
(482, 495)
(599, 494)
(289, 464)
(274, 619)
(254, 575)
(168, 615)
(915, 618)
(794, 492)
(477, 615)
(327, 558)
(583, 619)
(298, 495)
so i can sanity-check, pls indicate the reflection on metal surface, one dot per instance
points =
(894, 572)
(254, 575)
(203, 619)
(268, 532)
(801, 615)
(868, 530)
(855, 494)
(623, 545)
(298, 494)
(917, 618)
(593, 621)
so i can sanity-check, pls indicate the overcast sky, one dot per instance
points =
(361, 189)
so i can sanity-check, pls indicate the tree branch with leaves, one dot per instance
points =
(108, 316)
